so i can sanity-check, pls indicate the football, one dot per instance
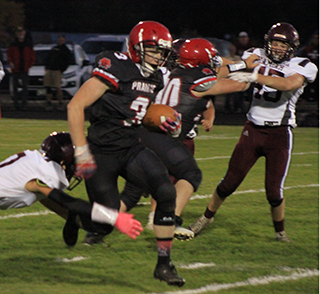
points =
(156, 114)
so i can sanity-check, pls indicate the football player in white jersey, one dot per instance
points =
(42, 175)
(279, 80)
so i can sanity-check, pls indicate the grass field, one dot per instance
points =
(236, 254)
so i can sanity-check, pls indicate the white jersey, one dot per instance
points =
(166, 73)
(17, 170)
(271, 107)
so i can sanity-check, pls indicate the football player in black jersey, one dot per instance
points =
(119, 92)
(190, 86)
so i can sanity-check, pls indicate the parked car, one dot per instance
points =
(94, 45)
(75, 75)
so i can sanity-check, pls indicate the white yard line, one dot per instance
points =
(255, 281)
(74, 259)
(45, 212)
(197, 265)
(19, 215)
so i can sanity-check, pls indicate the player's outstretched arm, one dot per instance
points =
(124, 222)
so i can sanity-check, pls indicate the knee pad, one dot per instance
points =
(194, 177)
(222, 194)
(188, 171)
(130, 195)
(166, 204)
(275, 203)
(182, 165)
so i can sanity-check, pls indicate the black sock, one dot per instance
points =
(209, 214)
(278, 226)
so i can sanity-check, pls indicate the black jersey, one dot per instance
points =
(177, 93)
(118, 113)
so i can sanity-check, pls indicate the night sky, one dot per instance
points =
(205, 18)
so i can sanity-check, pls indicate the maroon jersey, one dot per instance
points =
(118, 113)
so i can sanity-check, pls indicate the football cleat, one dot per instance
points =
(183, 234)
(200, 224)
(282, 237)
(70, 230)
(168, 273)
(93, 238)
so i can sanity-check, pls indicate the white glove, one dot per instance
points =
(170, 126)
(247, 77)
(217, 61)
(85, 163)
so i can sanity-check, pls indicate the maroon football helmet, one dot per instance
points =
(149, 34)
(58, 147)
(197, 51)
(283, 32)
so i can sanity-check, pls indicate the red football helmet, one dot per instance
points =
(149, 34)
(284, 32)
(197, 51)
(174, 56)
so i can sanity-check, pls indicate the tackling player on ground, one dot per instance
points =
(42, 175)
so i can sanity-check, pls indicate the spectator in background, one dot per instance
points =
(232, 101)
(311, 51)
(20, 58)
(243, 43)
(57, 62)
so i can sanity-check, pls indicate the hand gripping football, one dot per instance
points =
(156, 115)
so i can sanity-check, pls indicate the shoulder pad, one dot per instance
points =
(204, 86)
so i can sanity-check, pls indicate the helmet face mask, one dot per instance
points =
(144, 37)
(153, 57)
(197, 51)
(279, 50)
(173, 59)
(58, 147)
(286, 34)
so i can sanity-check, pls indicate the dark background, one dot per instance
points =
(205, 18)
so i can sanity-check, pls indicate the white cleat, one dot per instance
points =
(183, 234)
(282, 237)
(200, 224)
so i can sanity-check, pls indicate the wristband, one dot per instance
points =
(237, 66)
(81, 150)
(102, 214)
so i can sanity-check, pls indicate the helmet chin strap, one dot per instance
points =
(143, 70)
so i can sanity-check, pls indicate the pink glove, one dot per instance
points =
(172, 127)
(126, 224)
(85, 163)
